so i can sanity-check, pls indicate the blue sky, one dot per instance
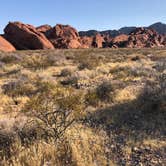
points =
(84, 14)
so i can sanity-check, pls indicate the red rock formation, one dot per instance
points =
(92, 42)
(164, 40)
(86, 42)
(139, 38)
(98, 41)
(5, 45)
(119, 41)
(64, 36)
(107, 40)
(24, 36)
(143, 37)
(44, 28)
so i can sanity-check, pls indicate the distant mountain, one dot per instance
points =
(112, 33)
(126, 30)
(159, 27)
(88, 33)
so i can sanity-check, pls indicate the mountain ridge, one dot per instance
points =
(158, 26)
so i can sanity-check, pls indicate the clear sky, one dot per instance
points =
(84, 14)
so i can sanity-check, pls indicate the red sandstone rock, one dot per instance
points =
(24, 36)
(64, 36)
(86, 42)
(92, 42)
(164, 40)
(139, 38)
(107, 40)
(44, 28)
(143, 37)
(5, 45)
(98, 41)
(119, 41)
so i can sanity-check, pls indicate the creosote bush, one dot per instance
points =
(91, 98)
(65, 72)
(103, 93)
(54, 110)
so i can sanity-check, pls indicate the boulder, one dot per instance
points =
(25, 36)
(43, 28)
(64, 36)
(5, 45)
(119, 41)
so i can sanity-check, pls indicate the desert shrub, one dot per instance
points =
(18, 88)
(160, 66)
(6, 140)
(55, 110)
(87, 65)
(153, 95)
(37, 62)
(142, 71)
(91, 98)
(104, 91)
(70, 80)
(25, 87)
(135, 58)
(10, 58)
(120, 72)
(65, 72)
(87, 61)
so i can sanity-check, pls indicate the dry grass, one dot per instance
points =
(123, 94)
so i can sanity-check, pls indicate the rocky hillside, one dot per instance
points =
(159, 27)
(20, 36)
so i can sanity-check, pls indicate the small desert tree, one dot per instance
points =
(54, 109)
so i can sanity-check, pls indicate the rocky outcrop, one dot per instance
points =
(107, 40)
(143, 37)
(63, 36)
(43, 28)
(25, 36)
(92, 42)
(86, 42)
(139, 38)
(119, 41)
(98, 41)
(159, 27)
(164, 41)
(5, 45)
